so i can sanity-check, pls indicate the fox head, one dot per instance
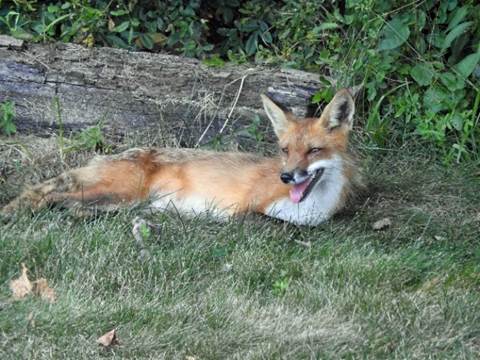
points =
(311, 147)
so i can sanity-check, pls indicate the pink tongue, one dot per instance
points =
(297, 190)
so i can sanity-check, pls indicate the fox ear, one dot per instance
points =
(276, 114)
(339, 112)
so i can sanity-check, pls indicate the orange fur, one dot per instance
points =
(233, 182)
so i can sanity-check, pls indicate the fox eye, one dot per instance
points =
(314, 150)
(285, 150)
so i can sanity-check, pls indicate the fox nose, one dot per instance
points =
(286, 177)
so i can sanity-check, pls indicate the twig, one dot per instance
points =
(234, 103)
(242, 80)
(307, 244)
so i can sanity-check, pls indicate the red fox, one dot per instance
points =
(305, 184)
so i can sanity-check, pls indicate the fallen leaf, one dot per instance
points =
(41, 288)
(111, 24)
(22, 286)
(227, 267)
(381, 224)
(189, 357)
(159, 38)
(108, 339)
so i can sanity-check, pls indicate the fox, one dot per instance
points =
(305, 183)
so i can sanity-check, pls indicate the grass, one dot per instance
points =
(251, 288)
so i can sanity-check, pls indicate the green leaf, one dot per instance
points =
(122, 27)
(395, 33)
(249, 26)
(53, 9)
(252, 43)
(325, 26)
(434, 99)
(421, 19)
(160, 24)
(116, 41)
(173, 39)
(455, 33)
(457, 121)
(458, 17)
(214, 61)
(451, 4)
(145, 231)
(208, 47)
(10, 129)
(465, 67)
(324, 95)
(119, 12)
(39, 28)
(135, 22)
(451, 81)
(147, 41)
(267, 37)
(423, 74)
(21, 34)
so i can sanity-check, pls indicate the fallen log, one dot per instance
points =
(70, 87)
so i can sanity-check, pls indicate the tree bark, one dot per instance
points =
(71, 87)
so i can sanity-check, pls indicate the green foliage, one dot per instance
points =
(89, 139)
(253, 130)
(7, 115)
(214, 61)
(280, 286)
(394, 34)
(145, 231)
(419, 62)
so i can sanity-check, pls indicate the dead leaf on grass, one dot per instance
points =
(108, 339)
(381, 224)
(111, 24)
(41, 288)
(189, 357)
(227, 267)
(21, 286)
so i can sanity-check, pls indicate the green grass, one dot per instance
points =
(247, 289)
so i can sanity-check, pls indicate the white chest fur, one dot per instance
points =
(320, 204)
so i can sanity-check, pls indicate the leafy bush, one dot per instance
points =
(418, 61)
(7, 115)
